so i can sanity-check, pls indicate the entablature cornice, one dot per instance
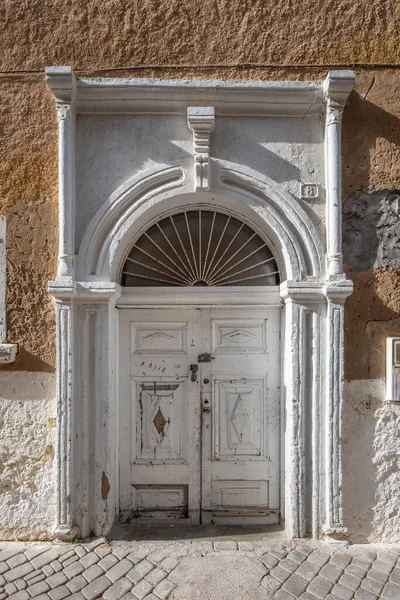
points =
(165, 96)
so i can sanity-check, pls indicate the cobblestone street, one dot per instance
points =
(198, 570)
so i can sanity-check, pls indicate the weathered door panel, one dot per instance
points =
(201, 388)
(158, 401)
(241, 461)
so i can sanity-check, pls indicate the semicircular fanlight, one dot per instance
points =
(199, 247)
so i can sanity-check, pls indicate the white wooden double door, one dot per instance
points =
(199, 414)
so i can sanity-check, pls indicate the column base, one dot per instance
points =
(335, 534)
(65, 535)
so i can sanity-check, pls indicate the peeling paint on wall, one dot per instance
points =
(105, 486)
(371, 229)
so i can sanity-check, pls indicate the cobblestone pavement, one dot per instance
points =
(198, 570)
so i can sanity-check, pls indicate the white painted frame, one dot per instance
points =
(8, 352)
(314, 289)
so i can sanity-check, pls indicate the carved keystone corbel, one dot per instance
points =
(201, 121)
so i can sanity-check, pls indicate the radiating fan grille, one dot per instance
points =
(199, 247)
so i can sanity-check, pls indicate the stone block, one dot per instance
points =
(137, 573)
(297, 556)
(372, 586)
(295, 585)
(45, 558)
(56, 580)
(342, 592)
(269, 561)
(349, 581)
(22, 595)
(383, 566)
(21, 584)
(107, 562)
(320, 587)
(319, 557)
(155, 576)
(36, 579)
(142, 589)
(38, 588)
(119, 570)
(89, 559)
(76, 584)
(96, 588)
(363, 594)
(59, 593)
(391, 592)
(308, 570)
(331, 572)
(18, 572)
(289, 565)
(169, 563)
(164, 588)
(379, 576)
(341, 559)
(15, 561)
(118, 589)
(75, 569)
(280, 574)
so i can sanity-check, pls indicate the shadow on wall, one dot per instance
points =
(364, 123)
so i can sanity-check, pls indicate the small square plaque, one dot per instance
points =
(309, 191)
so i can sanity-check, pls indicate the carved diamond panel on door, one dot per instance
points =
(160, 413)
(229, 336)
(148, 338)
(239, 418)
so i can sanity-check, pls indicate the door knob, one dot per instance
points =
(194, 369)
(205, 357)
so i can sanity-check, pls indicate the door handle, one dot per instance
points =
(194, 369)
(206, 357)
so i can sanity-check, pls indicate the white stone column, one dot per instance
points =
(304, 308)
(86, 407)
(95, 385)
(336, 294)
(64, 528)
(8, 352)
(337, 86)
(62, 82)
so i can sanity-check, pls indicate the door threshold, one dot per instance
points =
(182, 531)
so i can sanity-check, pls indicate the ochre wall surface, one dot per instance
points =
(96, 35)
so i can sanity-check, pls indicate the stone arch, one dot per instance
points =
(261, 201)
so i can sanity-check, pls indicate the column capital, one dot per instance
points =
(302, 291)
(338, 291)
(337, 87)
(97, 292)
(62, 83)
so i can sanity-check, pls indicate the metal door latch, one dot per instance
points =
(194, 369)
(205, 357)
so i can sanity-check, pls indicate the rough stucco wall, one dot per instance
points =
(371, 463)
(117, 33)
(27, 473)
